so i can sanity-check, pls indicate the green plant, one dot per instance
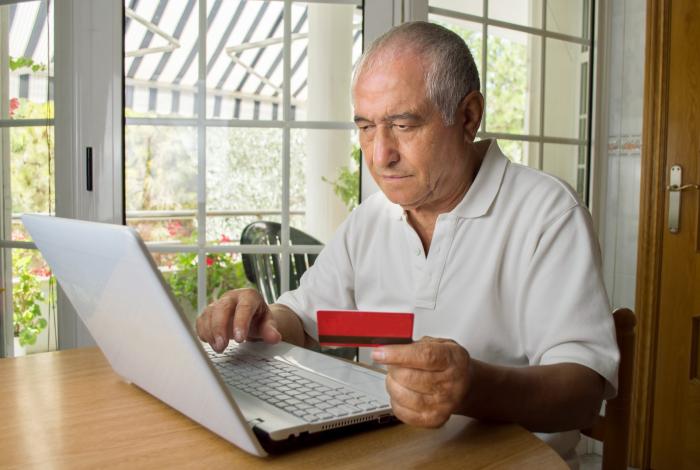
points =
(224, 272)
(347, 185)
(17, 63)
(27, 298)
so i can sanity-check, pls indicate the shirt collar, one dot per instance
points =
(483, 191)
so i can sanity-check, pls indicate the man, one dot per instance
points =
(497, 261)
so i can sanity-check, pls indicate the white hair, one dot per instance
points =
(450, 73)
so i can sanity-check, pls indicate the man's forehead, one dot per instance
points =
(391, 88)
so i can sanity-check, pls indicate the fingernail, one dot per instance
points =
(238, 335)
(378, 355)
(220, 343)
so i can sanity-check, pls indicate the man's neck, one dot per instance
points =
(423, 219)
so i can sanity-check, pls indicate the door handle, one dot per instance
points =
(675, 188)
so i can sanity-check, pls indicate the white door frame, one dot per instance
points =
(88, 103)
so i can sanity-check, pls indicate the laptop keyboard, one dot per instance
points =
(281, 385)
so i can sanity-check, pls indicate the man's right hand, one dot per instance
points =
(239, 314)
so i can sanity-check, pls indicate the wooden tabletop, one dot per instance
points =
(68, 409)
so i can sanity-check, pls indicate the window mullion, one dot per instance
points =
(543, 71)
(202, 159)
(484, 62)
(286, 143)
(6, 328)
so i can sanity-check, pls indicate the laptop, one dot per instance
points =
(262, 398)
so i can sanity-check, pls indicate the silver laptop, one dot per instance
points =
(259, 397)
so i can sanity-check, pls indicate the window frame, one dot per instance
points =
(423, 10)
(286, 124)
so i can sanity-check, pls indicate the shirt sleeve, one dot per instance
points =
(566, 315)
(327, 284)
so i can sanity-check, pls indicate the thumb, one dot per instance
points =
(268, 330)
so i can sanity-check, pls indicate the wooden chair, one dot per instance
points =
(613, 428)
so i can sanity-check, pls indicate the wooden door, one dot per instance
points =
(676, 403)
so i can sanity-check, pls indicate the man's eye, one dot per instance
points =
(366, 127)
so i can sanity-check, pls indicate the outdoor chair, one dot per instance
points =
(263, 269)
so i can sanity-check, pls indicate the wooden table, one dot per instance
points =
(68, 409)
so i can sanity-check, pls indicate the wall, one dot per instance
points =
(625, 100)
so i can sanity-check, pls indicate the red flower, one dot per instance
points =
(14, 104)
(210, 261)
(174, 228)
(41, 272)
(224, 239)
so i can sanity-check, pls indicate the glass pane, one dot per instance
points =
(565, 88)
(468, 30)
(521, 152)
(31, 174)
(245, 60)
(31, 60)
(568, 17)
(180, 273)
(522, 12)
(472, 7)
(565, 162)
(160, 58)
(244, 179)
(225, 272)
(324, 185)
(161, 182)
(33, 303)
(327, 42)
(513, 85)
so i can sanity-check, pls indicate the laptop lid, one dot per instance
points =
(114, 285)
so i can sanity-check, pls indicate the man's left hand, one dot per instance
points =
(427, 381)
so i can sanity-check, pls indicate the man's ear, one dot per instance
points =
(471, 109)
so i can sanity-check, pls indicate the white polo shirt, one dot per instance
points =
(513, 273)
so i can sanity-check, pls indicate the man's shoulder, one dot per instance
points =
(377, 206)
(537, 189)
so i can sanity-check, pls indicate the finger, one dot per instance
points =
(248, 305)
(203, 329)
(220, 314)
(416, 380)
(424, 355)
(268, 330)
(423, 418)
(199, 327)
(406, 396)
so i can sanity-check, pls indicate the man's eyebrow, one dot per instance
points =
(392, 117)
(402, 116)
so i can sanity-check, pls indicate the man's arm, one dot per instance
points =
(290, 327)
(432, 379)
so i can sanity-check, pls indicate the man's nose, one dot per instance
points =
(385, 152)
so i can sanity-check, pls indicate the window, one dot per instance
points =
(534, 61)
(234, 114)
(27, 148)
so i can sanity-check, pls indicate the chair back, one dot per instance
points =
(263, 269)
(613, 428)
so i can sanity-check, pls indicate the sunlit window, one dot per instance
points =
(234, 115)
(26, 147)
(533, 57)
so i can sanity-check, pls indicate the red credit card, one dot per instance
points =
(357, 328)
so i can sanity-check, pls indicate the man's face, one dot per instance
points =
(415, 159)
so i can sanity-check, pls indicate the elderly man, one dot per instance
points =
(497, 261)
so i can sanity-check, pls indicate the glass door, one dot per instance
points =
(29, 322)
